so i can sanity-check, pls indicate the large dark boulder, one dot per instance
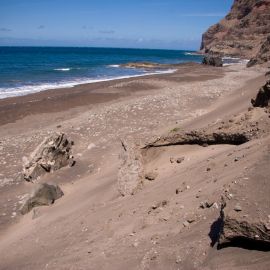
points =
(212, 60)
(43, 194)
(263, 96)
(51, 155)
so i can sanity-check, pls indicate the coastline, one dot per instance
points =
(60, 99)
(96, 117)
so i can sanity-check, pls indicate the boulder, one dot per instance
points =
(52, 154)
(43, 194)
(131, 172)
(263, 96)
(212, 60)
(239, 230)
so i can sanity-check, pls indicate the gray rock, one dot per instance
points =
(180, 160)
(131, 172)
(186, 223)
(237, 208)
(206, 204)
(212, 60)
(236, 227)
(43, 194)
(52, 154)
(263, 96)
(151, 176)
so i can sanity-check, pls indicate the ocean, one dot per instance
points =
(25, 70)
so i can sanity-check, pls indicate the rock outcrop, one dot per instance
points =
(52, 154)
(43, 194)
(263, 96)
(201, 138)
(145, 65)
(131, 172)
(237, 231)
(212, 60)
(262, 56)
(242, 33)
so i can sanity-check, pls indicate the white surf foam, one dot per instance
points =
(192, 53)
(62, 69)
(228, 61)
(28, 89)
(114, 66)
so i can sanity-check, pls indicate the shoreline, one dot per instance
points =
(155, 69)
(60, 99)
(97, 117)
(67, 84)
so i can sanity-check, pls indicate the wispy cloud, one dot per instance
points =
(108, 32)
(203, 15)
(4, 29)
(41, 27)
(85, 27)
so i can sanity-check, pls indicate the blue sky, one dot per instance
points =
(168, 24)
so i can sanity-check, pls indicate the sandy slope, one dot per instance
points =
(92, 226)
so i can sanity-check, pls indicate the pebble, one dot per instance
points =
(186, 223)
(238, 208)
(180, 160)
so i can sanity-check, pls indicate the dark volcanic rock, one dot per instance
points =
(44, 194)
(263, 96)
(52, 154)
(212, 60)
(242, 32)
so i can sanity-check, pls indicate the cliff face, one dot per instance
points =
(242, 32)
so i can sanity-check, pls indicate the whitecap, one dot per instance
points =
(62, 69)
(114, 66)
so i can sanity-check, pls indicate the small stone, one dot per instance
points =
(186, 223)
(172, 160)
(206, 204)
(208, 169)
(91, 146)
(215, 205)
(180, 160)
(191, 220)
(238, 208)
(178, 260)
(151, 176)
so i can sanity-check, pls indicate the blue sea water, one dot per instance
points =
(25, 70)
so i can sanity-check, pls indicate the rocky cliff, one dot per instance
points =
(243, 32)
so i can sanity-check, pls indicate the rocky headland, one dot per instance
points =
(244, 32)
